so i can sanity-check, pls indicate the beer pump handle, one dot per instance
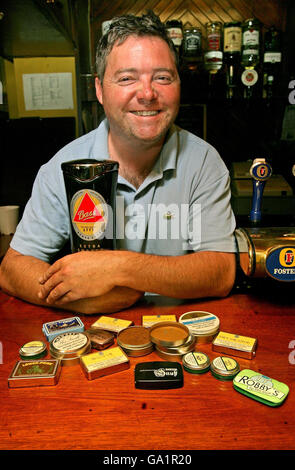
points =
(260, 171)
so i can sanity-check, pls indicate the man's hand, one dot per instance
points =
(78, 276)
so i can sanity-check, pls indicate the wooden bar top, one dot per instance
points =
(110, 413)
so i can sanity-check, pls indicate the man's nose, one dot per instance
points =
(146, 91)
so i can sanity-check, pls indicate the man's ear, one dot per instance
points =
(98, 88)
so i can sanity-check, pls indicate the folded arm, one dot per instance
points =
(201, 274)
(20, 274)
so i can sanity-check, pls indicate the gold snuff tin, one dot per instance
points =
(68, 347)
(105, 362)
(203, 325)
(235, 345)
(135, 341)
(111, 324)
(170, 334)
(35, 373)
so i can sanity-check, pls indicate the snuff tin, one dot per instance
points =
(224, 368)
(102, 363)
(135, 341)
(34, 373)
(235, 345)
(100, 339)
(158, 375)
(176, 353)
(149, 320)
(269, 391)
(171, 334)
(111, 324)
(55, 328)
(33, 350)
(196, 362)
(203, 325)
(68, 347)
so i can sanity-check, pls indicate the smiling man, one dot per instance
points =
(165, 174)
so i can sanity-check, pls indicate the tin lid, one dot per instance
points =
(134, 337)
(196, 361)
(200, 323)
(70, 345)
(224, 367)
(32, 348)
(169, 334)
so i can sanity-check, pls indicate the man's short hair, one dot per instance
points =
(122, 27)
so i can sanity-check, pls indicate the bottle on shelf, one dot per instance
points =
(191, 44)
(213, 55)
(272, 59)
(175, 32)
(251, 32)
(232, 45)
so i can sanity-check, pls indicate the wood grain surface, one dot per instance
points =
(109, 413)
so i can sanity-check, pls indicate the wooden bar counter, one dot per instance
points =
(110, 413)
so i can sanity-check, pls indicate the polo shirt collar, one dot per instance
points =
(166, 161)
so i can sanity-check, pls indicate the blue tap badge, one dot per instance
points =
(261, 171)
(280, 263)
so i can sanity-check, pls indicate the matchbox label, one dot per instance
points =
(89, 214)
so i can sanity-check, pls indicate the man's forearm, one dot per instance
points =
(19, 276)
(202, 274)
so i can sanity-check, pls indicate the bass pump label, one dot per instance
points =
(89, 214)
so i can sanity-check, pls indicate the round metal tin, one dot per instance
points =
(196, 362)
(169, 334)
(184, 348)
(203, 325)
(33, 350)
(168, 356)
(135, 341)
(224, 368)
(69, 347)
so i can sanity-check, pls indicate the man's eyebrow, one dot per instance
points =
(134, 70)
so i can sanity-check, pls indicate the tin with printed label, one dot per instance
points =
(69, 347)
(224, 368)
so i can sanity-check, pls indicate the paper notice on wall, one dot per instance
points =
(48, 91)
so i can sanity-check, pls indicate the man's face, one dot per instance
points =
(141, 90)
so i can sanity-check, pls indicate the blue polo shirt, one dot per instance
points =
(182, 206)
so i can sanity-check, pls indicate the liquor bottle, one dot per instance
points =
(191, 70)
(232, 44)
(271, 62)
(213, 53)
(213, 56)
(174, 30)
(192, 43)
(251, 32)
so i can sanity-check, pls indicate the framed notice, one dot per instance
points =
(44, 91)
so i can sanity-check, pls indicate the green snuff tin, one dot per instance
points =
(254, 385)
(33, 350)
